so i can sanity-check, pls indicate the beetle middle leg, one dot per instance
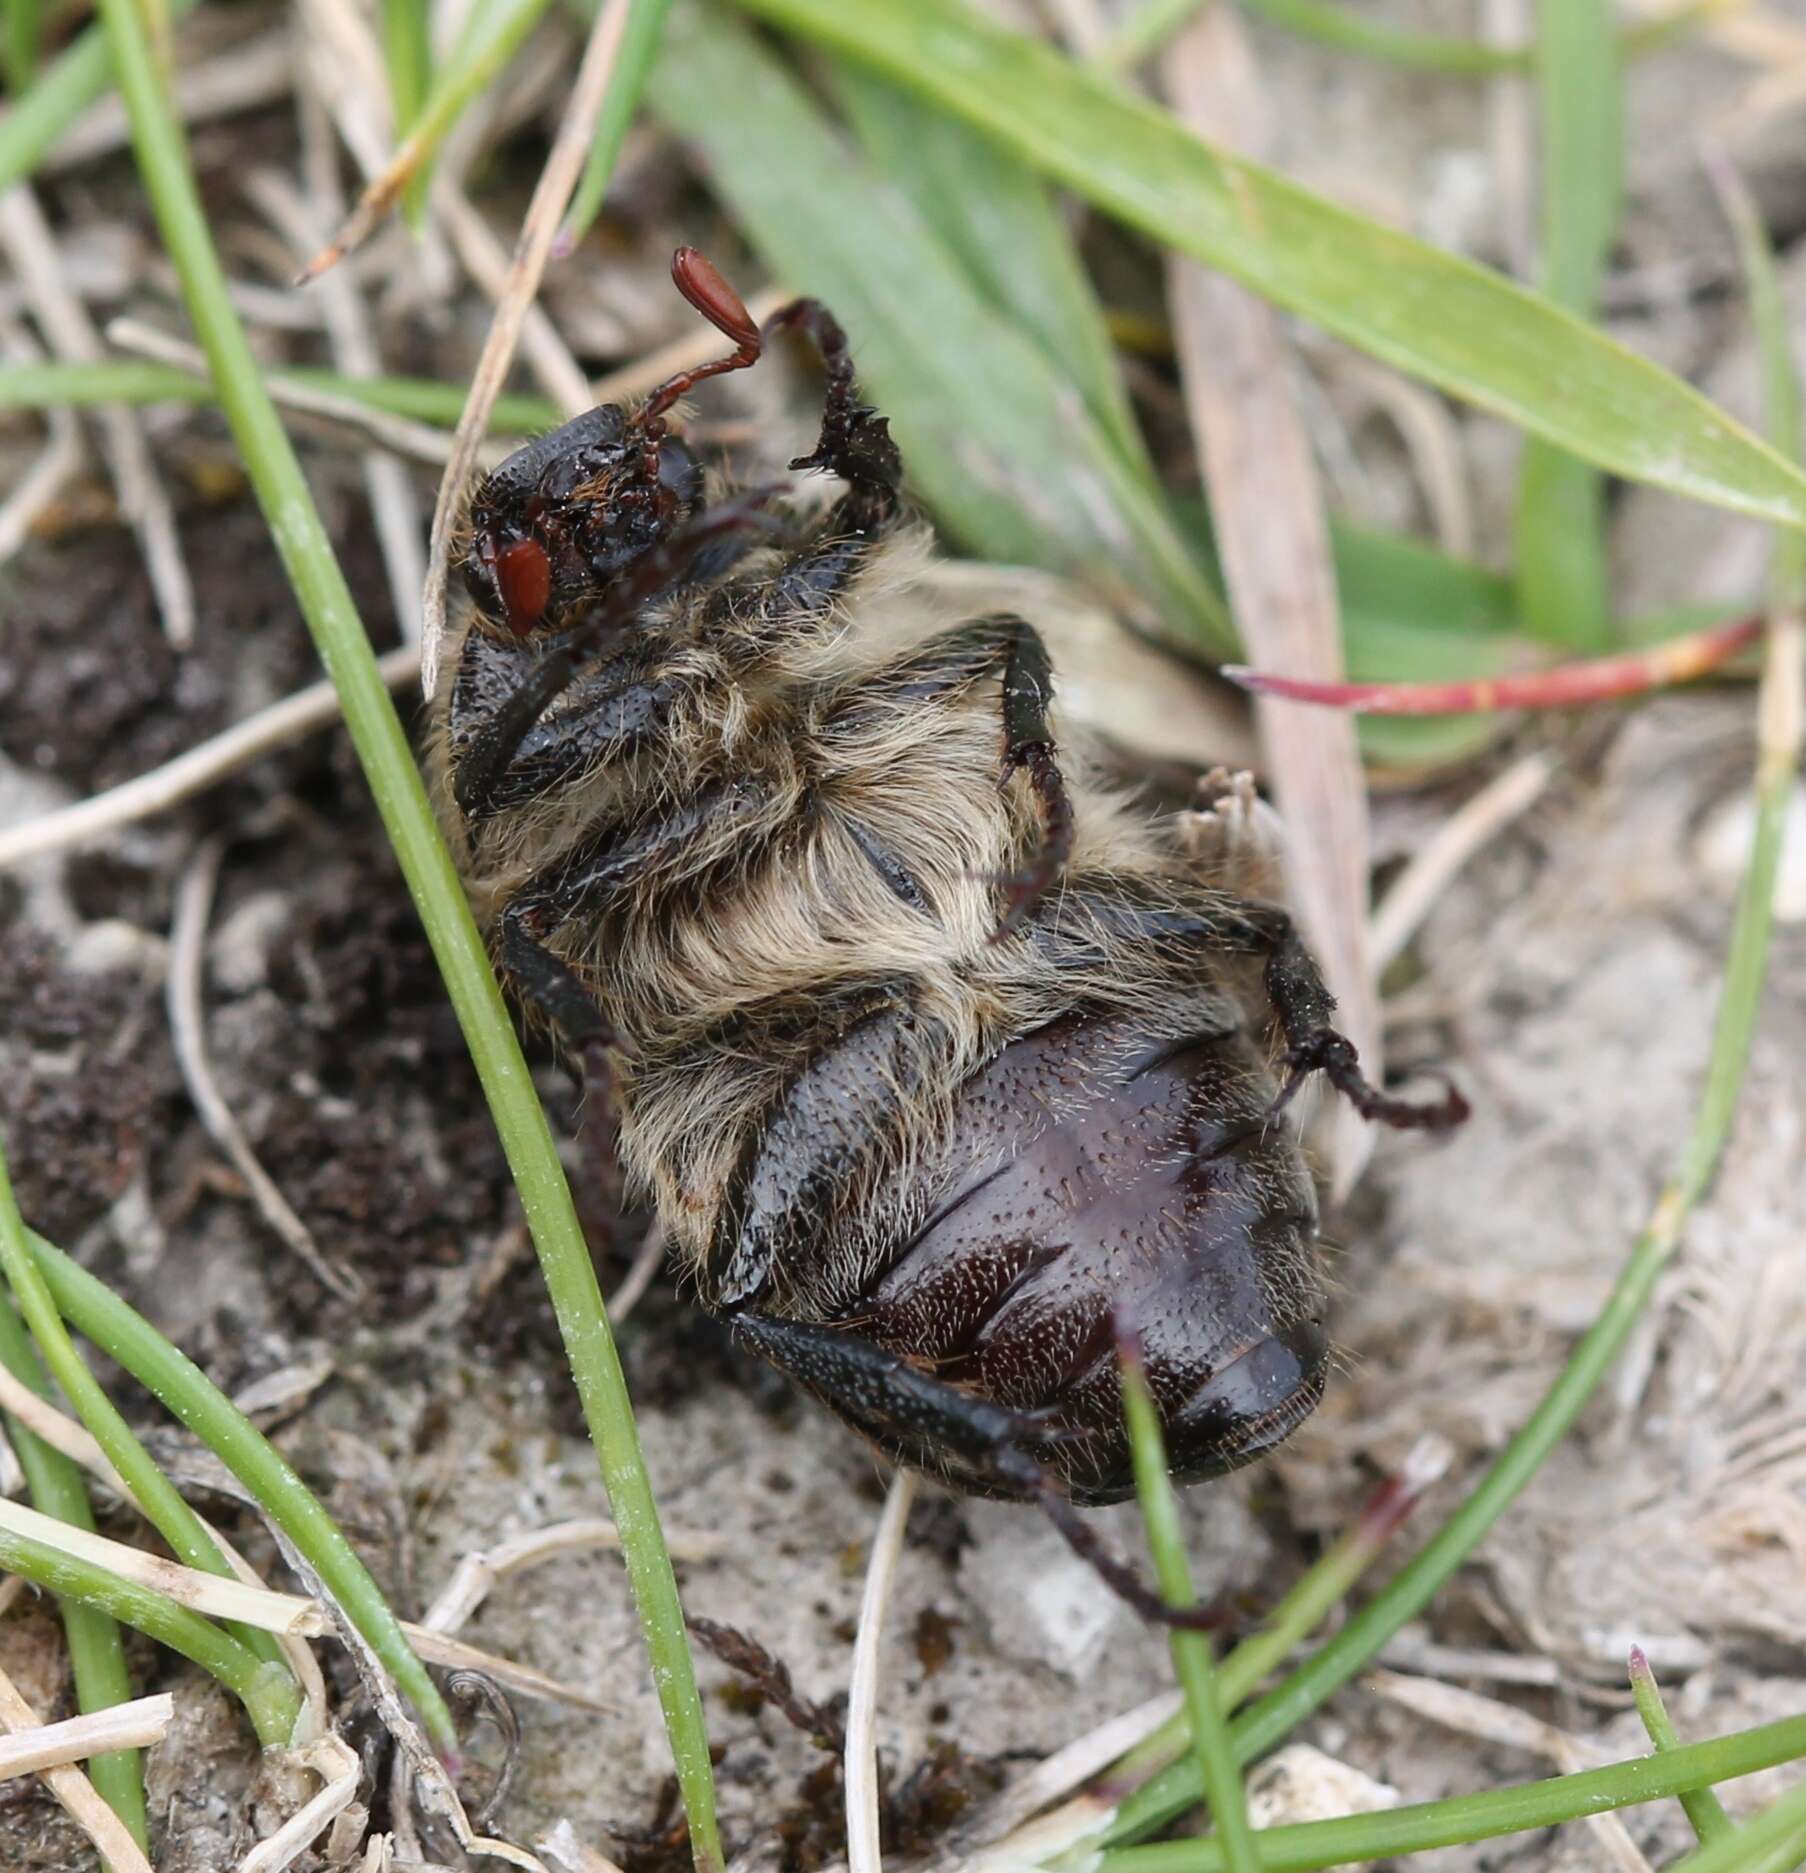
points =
(1008, 646)
(903, 1408)
(1301, 999)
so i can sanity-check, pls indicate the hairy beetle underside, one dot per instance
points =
(921, 1037)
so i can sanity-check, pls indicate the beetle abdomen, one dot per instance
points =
(1114, 1174)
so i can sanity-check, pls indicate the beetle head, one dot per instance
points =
(562, 519)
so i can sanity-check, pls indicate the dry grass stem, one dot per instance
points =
(1056, 1776)
(188, 1031)
(533, 247)
(1235, 365)
(293, 1619)
(647, 1261)
(111, 1838)
(136, 1725)
(208, 1594)
(71, 336)
(419, 442)
(573, 1855)
(864, 1854)
(1440, 859)
(393, 506)
(337, 1765)
(213, 761)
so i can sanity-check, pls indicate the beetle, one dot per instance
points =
(931, 1046)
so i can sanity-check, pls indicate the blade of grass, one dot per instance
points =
(267, 1691)
(1272, 534)
(408, 56)
(1701, 1805)
(61, 92)
(1511, 1810)
(96, 1648)
(1776, 1831)
(184, 1390)
(633, 64)
(999, 221)
(1192, 1663)
(504, 31)
(157, 1497)
(24, 35)
(58, 386)
(1564, 584)
(997, 442)
(438, 894)
(1347, 31)
(1452, 323)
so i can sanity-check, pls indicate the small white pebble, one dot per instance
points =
(1302, 1784)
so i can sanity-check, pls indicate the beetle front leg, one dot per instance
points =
(548, 985)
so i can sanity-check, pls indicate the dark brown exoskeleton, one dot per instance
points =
(923, 1040)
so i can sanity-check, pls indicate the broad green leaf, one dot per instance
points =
(997, 217)
(998, 442)
(1455, 324)
(1564, 580)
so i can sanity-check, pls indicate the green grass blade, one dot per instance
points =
(1452, 323)
(1701, 1805)
(96, 1648)
(267, 1691)
(999, 445)
(30, 125)
(1345, 30)
(1563, 577)
(1192, 1661)
(633, 65)
(50, 386)
(1510, 1810)
(180, 1386)
(24, 35)
(1774, 351)
(408, 54)
(438, 894)
(999, 221)
(157, 1497)
(1776, 1831)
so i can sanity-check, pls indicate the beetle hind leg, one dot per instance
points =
(924, 1421)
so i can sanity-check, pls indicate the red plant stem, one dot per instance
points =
(1595, 679)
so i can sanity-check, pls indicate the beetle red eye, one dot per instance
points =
(523, 576)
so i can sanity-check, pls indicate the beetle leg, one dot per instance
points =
(855, 441)
(953, 660)
(493, 768)
(1301, 1000)
(684, 840)
(905, 1409)
(831, 1118)
(549, 985)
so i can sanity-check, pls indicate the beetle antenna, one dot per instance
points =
(700, 282)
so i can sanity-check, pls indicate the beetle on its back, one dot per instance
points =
(924, 1041)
